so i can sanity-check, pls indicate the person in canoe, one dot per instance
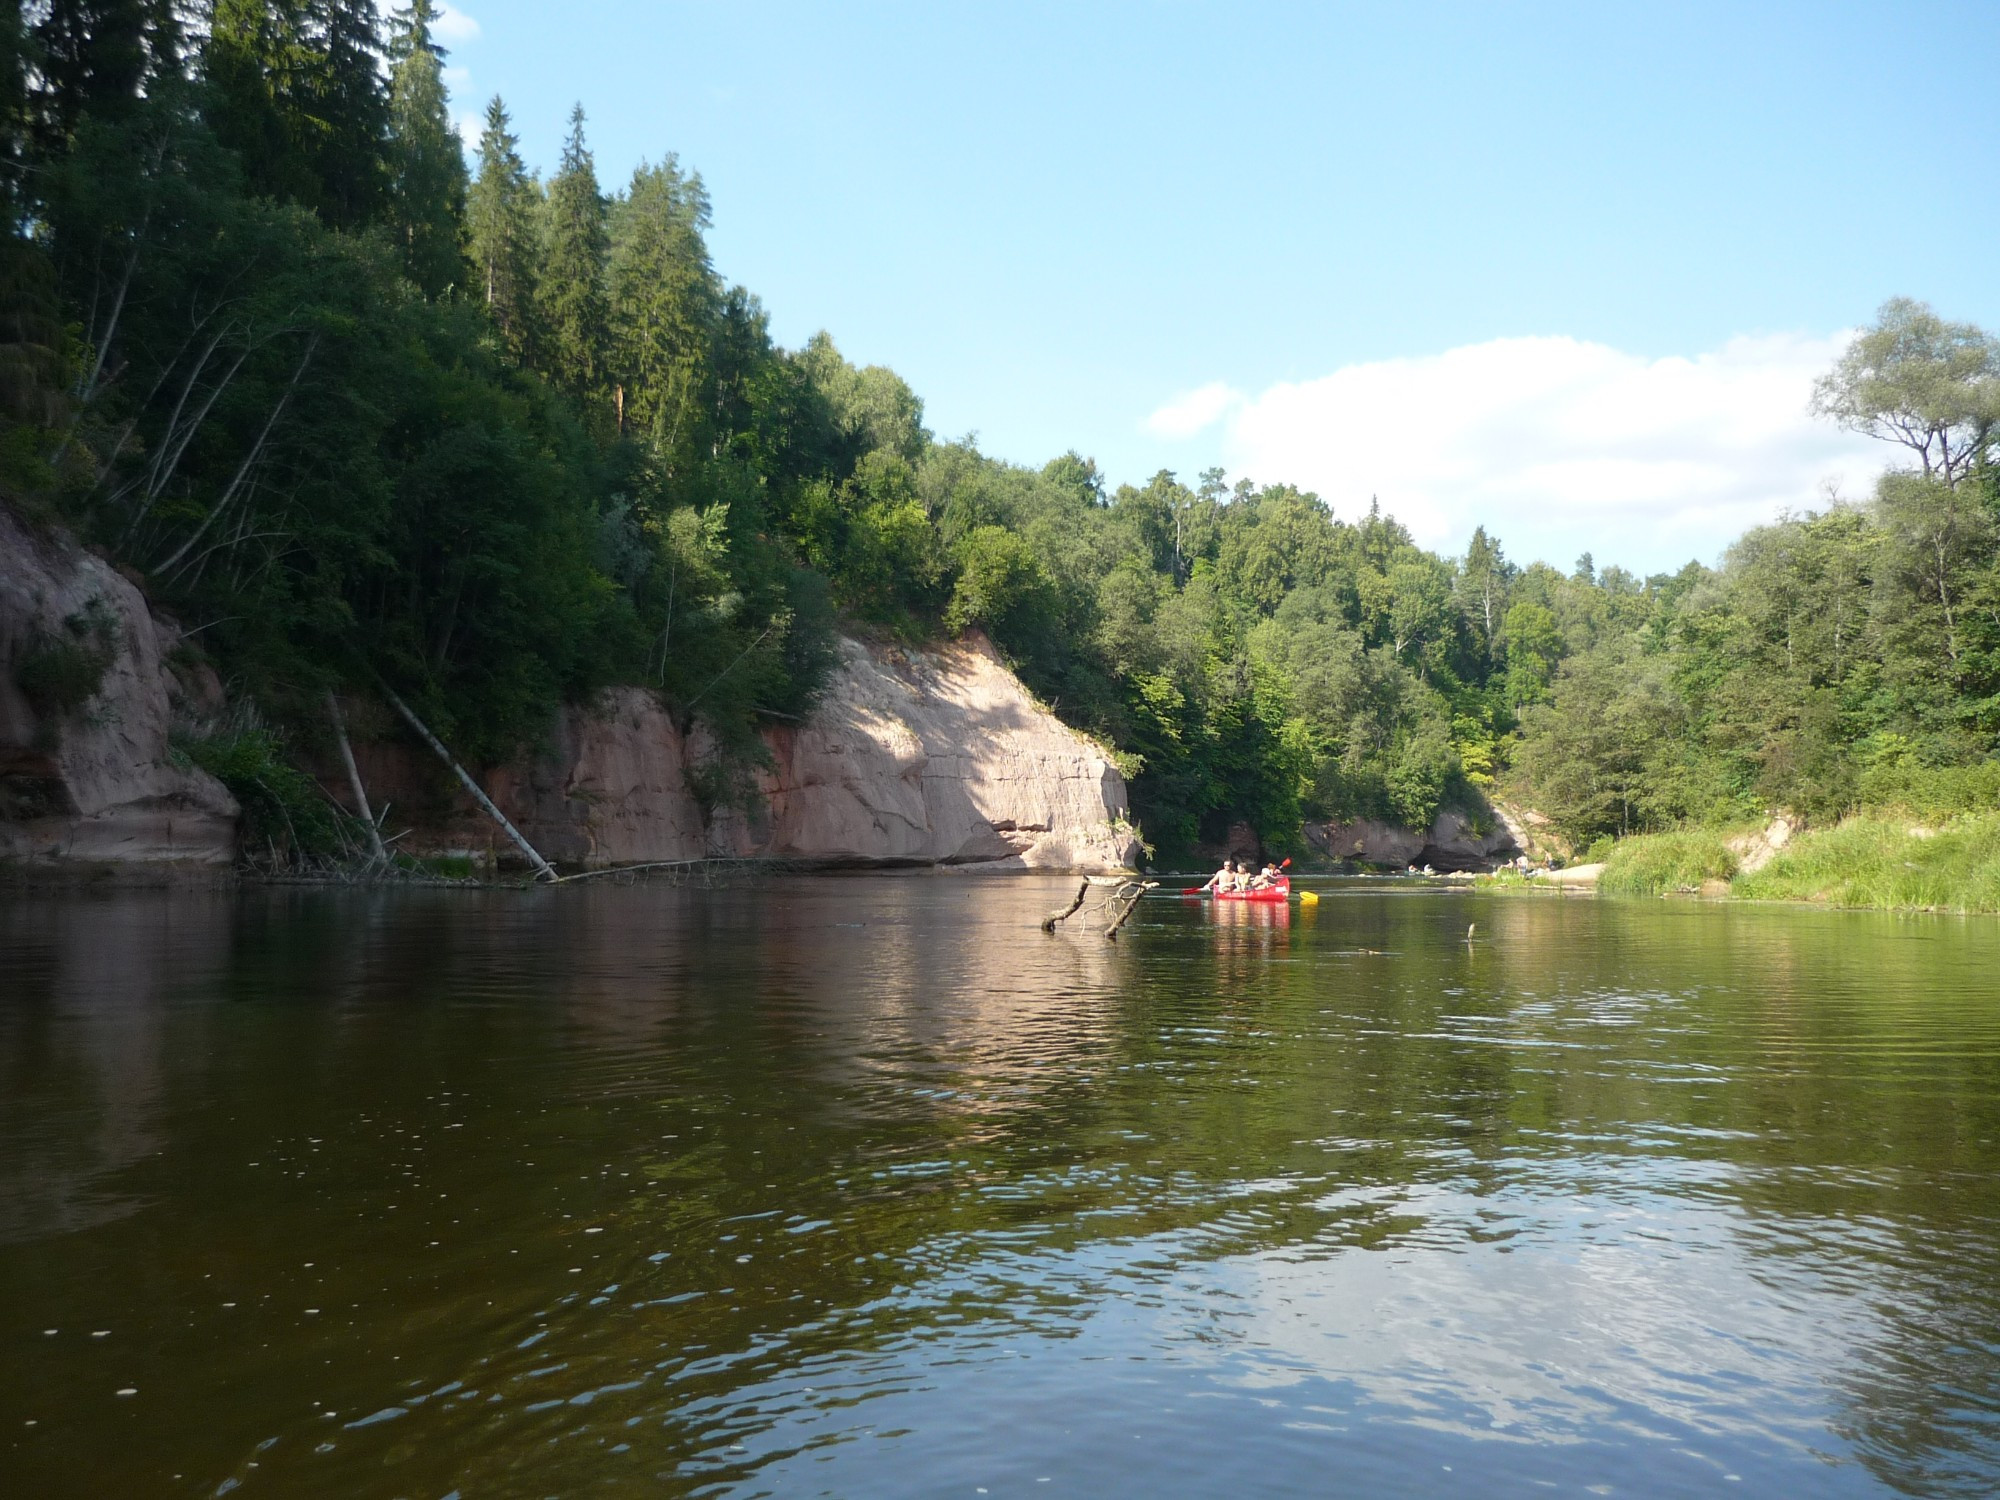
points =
(1267, 877)
(1223, 879)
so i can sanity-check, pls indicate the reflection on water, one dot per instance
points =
(866, 1187)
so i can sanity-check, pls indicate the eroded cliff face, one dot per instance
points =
(90, 781)
(1456, 840)
(940, 757)
(912, 757)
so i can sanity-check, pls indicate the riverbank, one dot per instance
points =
(1877, 859)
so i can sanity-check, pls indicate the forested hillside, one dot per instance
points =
(361, 413)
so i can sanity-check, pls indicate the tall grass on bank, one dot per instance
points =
(1888, 862)
(1657, 864)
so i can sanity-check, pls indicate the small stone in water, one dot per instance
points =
(130, 1390)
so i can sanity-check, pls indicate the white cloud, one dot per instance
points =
(1186, 415)
(454, 27)
(450, 26)
(1556, 445)
(470, 128)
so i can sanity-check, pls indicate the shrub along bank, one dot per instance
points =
(1885, 861)
(1881, 859)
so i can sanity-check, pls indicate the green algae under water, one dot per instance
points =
(865, 1187)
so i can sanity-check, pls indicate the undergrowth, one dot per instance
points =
(283, 808)
(1657, 864)
(1881, 861)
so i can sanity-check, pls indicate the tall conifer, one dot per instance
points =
(13, 116)
(426, 162)
(500, 234)
(90, 59)
(347, 134)
(295, 89)
(251, 54)
(663, 305)
(571, 298)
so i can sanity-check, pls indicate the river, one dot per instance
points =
(865, 1187)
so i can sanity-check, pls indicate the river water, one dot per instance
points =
(865, 1187)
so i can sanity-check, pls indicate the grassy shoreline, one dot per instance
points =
(1877, 860)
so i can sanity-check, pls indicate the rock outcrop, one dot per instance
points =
(1457, 839)
(85, 775)
(912, 757)
(940, 757)
(1753, 851)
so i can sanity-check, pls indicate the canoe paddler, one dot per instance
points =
(1223, 879)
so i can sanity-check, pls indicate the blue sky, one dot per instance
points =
(1562, 269)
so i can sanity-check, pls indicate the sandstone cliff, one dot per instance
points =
(912, 757)
(85, 775)
(1456, 839)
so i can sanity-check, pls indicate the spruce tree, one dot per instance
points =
(663, 306)
(252, 51)
(570, 297)
(90, 59)
(13, 117)
(346, 114)
(426, 163)
(294, 88)
(500, 234)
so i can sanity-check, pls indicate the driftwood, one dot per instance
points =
(543, 869)
(1123, 902)
(377, 853)
(1049, 922)
(1121, 899)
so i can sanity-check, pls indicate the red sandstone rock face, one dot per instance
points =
(934, 757)
(94, 785)
(941, 757)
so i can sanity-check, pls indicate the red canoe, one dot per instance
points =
(1280, 893)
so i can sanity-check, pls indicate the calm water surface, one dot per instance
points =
(864, 1187)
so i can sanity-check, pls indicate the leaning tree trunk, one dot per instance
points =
(543, 869)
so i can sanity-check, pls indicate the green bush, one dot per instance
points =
(1888, 862)
(1656, 864)
(59, 673)
(283, 808)
(1932, 791)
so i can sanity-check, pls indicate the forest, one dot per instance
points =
(365, 409)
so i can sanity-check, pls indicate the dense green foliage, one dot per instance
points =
(1888, 862)
(359, 414)
(1663, 864)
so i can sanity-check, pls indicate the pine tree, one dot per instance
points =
(570, 298)
(500, 234)
(663, 306)
(426, 163)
